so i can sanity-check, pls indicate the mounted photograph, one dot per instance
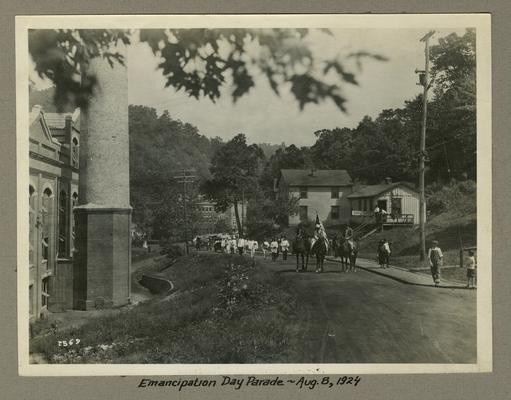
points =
(233, 194)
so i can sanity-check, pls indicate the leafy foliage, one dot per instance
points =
(197, 61)
(160, 147)
(62, 56)
(235, 168)
(388, 144)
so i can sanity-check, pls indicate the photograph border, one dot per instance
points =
(482, 23)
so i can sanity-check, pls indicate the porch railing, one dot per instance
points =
(405, 219)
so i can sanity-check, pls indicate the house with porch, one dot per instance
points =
(400, 201)
(318, 191)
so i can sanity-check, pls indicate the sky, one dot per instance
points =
(267, 118)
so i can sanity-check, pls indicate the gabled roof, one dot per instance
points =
(36, 114)
(320, 177)
(58, 120)
(375, 190)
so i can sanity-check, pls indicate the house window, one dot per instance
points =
(303, 192)
(303, 213)
(46, 222)
(334, 212)
(32, 222)
(31, 300)
(75, 153)
(74, 203)
(44, 292)
(365, 205)
(335, 193)
(396, 206)
(63, 231)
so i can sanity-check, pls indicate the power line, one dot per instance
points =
(185, 178)
(416, 153)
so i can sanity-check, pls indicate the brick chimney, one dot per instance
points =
(312, 171)
(68, 129)
(36, 109)
(388, 180)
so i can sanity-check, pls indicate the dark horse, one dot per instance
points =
(347, 251)
(302, 247)
(320, 248)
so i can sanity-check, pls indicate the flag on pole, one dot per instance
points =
(321, 229)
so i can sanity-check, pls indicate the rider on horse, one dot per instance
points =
(348, 234)
(319, 233)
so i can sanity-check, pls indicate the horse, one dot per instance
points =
(347, 251)
(301, 247)
(320, 248)
(352, 251)
(341, 250)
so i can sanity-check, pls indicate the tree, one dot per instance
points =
(222, 225)
(332, 149)
(197, 61)
(160, 147)
(453, 109)
(169, 216)
(235, 169)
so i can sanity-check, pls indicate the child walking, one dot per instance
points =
(471, 270)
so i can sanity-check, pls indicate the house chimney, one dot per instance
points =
(36, 109)
(68, 129)
(388, 180)
(312, 171)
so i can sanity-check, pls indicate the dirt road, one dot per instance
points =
(365, 318)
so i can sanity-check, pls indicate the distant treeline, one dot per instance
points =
(388, 145)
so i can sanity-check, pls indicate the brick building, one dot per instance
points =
(54, 140)
(209, 217)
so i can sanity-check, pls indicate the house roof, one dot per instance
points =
(58, 120)
(375, 190)
(320, 177)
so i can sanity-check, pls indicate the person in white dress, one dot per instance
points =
(265, 247)
(274, 248)
(284, 244)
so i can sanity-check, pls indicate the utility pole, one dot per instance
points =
(185, 177)
(243, 212)
(425, 82)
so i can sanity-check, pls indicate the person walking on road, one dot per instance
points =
(284, 244)
(435, 257)
(241, 245)
(234, 244)
(253, 245)
(384, 253)
(471, 270)
(265, 247)
(274, 247)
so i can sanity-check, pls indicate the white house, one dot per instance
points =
(319, 191)
(400, 200)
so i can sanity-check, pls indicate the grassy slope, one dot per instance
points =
(442, 227)
(226, 310)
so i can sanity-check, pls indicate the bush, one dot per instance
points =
(227, 310)
(171, 249)
(459, 197)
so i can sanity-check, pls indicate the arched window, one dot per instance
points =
(46, 222)
(32, 223)
(63, 223)
(74, 203)
(74, 152)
